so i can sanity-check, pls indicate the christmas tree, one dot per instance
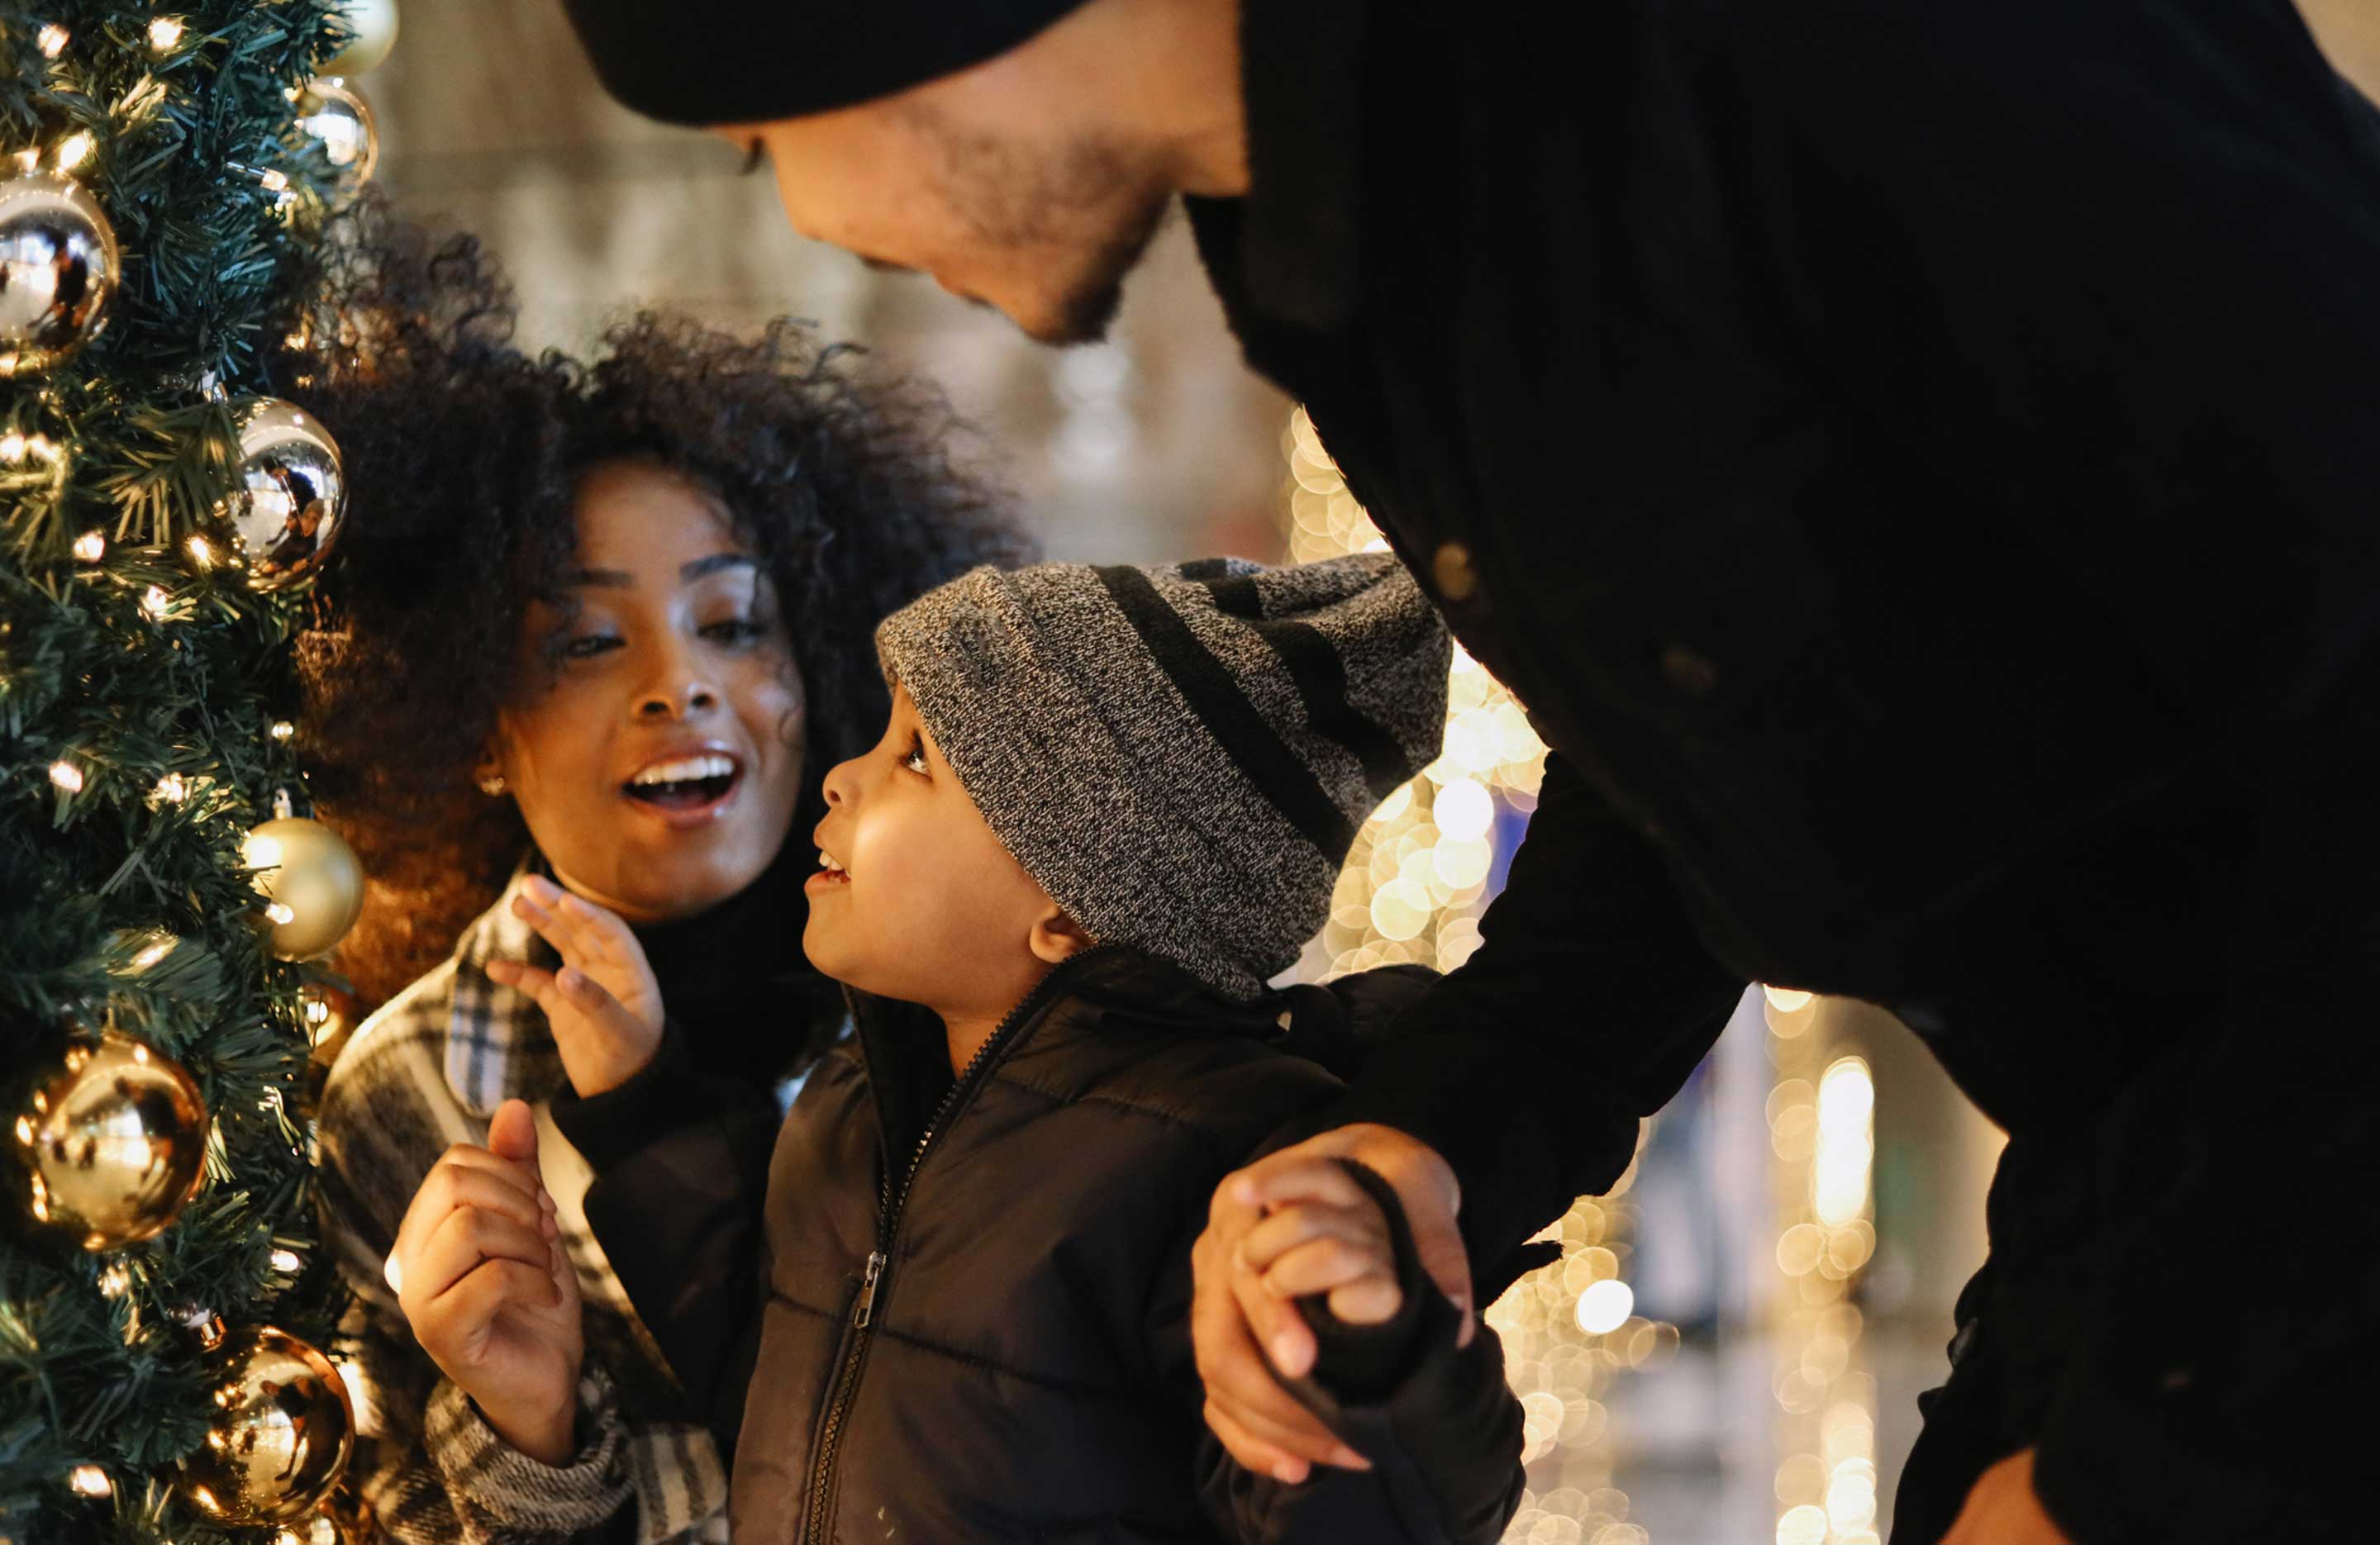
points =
(166, 177)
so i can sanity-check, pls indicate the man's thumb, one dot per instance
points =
(513, 1134)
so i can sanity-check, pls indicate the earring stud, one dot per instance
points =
(492, 785)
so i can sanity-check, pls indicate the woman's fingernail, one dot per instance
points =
(1285, 1350)
(1290, 1470)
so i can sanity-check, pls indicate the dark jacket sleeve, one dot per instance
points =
(681, 1165)
(1585, 1008)
(1438, 1423)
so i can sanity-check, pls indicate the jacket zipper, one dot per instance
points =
(818, 1507)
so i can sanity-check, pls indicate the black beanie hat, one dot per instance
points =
(703, 62)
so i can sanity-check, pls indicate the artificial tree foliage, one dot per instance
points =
(133, 655)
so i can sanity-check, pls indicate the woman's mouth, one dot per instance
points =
(686, 789)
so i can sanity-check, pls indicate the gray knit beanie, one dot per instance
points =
(1180, 756)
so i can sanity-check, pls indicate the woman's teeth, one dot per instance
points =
(833, 869)
(688, 780)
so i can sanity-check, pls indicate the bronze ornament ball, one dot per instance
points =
(288, 496)
(282, 1432)
(109, 1143)
(59, 270)
(311, 882)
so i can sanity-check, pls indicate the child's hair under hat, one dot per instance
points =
(1180, 756)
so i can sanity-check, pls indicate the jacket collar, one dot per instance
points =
(498, 1045)
(1298, 242)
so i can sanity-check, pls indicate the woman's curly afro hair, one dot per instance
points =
(462, 455)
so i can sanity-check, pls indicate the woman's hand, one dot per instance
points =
(603, 1004)
(491, 1294)
(2002, 1509)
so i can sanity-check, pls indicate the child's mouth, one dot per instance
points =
(686, 784)
(829, 874)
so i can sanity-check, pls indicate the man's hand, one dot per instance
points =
(490, 1292)
(603, 1004)
(2003, 1510)
(1233, 1311)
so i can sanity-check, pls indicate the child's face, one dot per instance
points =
(914, 897)
(658, 759)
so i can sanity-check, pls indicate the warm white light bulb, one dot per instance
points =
(201, 554)
(90, 547)
(52, 40)
(73, 150)
(156, 603)
(90, 1480)
(66, 776)
(164, 32)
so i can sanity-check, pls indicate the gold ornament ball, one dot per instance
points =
(282, 1432)
(289, 496)
(335, 115)
(59, 270)
(110, 1140)
(373, 23)
(313, 885)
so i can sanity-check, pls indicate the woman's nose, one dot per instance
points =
(679, 703)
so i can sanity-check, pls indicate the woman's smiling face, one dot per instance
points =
(655, 748)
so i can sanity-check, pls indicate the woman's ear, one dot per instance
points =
(1056, 936)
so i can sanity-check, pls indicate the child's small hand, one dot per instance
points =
(491, 1294)
(603, 1004)
(1331, 1239)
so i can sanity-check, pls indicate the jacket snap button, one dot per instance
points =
(1450, 567)
(1688, 672)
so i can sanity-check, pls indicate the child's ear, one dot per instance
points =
(1056, 936)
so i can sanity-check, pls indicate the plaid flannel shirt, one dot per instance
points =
(425, 1072)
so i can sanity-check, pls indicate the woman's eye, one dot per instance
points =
(736, 630)
(915, 760)
(590, 645)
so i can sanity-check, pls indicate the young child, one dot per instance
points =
(1110, 803)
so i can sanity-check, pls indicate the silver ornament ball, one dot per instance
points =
(59, 269)
(335, 115)
(289, 496)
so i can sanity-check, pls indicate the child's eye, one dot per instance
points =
(916, 759)
(589, 645)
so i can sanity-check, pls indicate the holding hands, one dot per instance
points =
(604, 1005)
(490, 1292)
(1292, 1224)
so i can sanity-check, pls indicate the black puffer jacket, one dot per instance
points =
(975, 1319)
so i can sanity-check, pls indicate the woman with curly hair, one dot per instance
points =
(595, 626)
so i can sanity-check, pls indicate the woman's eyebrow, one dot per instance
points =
(607, 579)
(715, 563)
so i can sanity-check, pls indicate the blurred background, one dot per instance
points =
(1729, 1351)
